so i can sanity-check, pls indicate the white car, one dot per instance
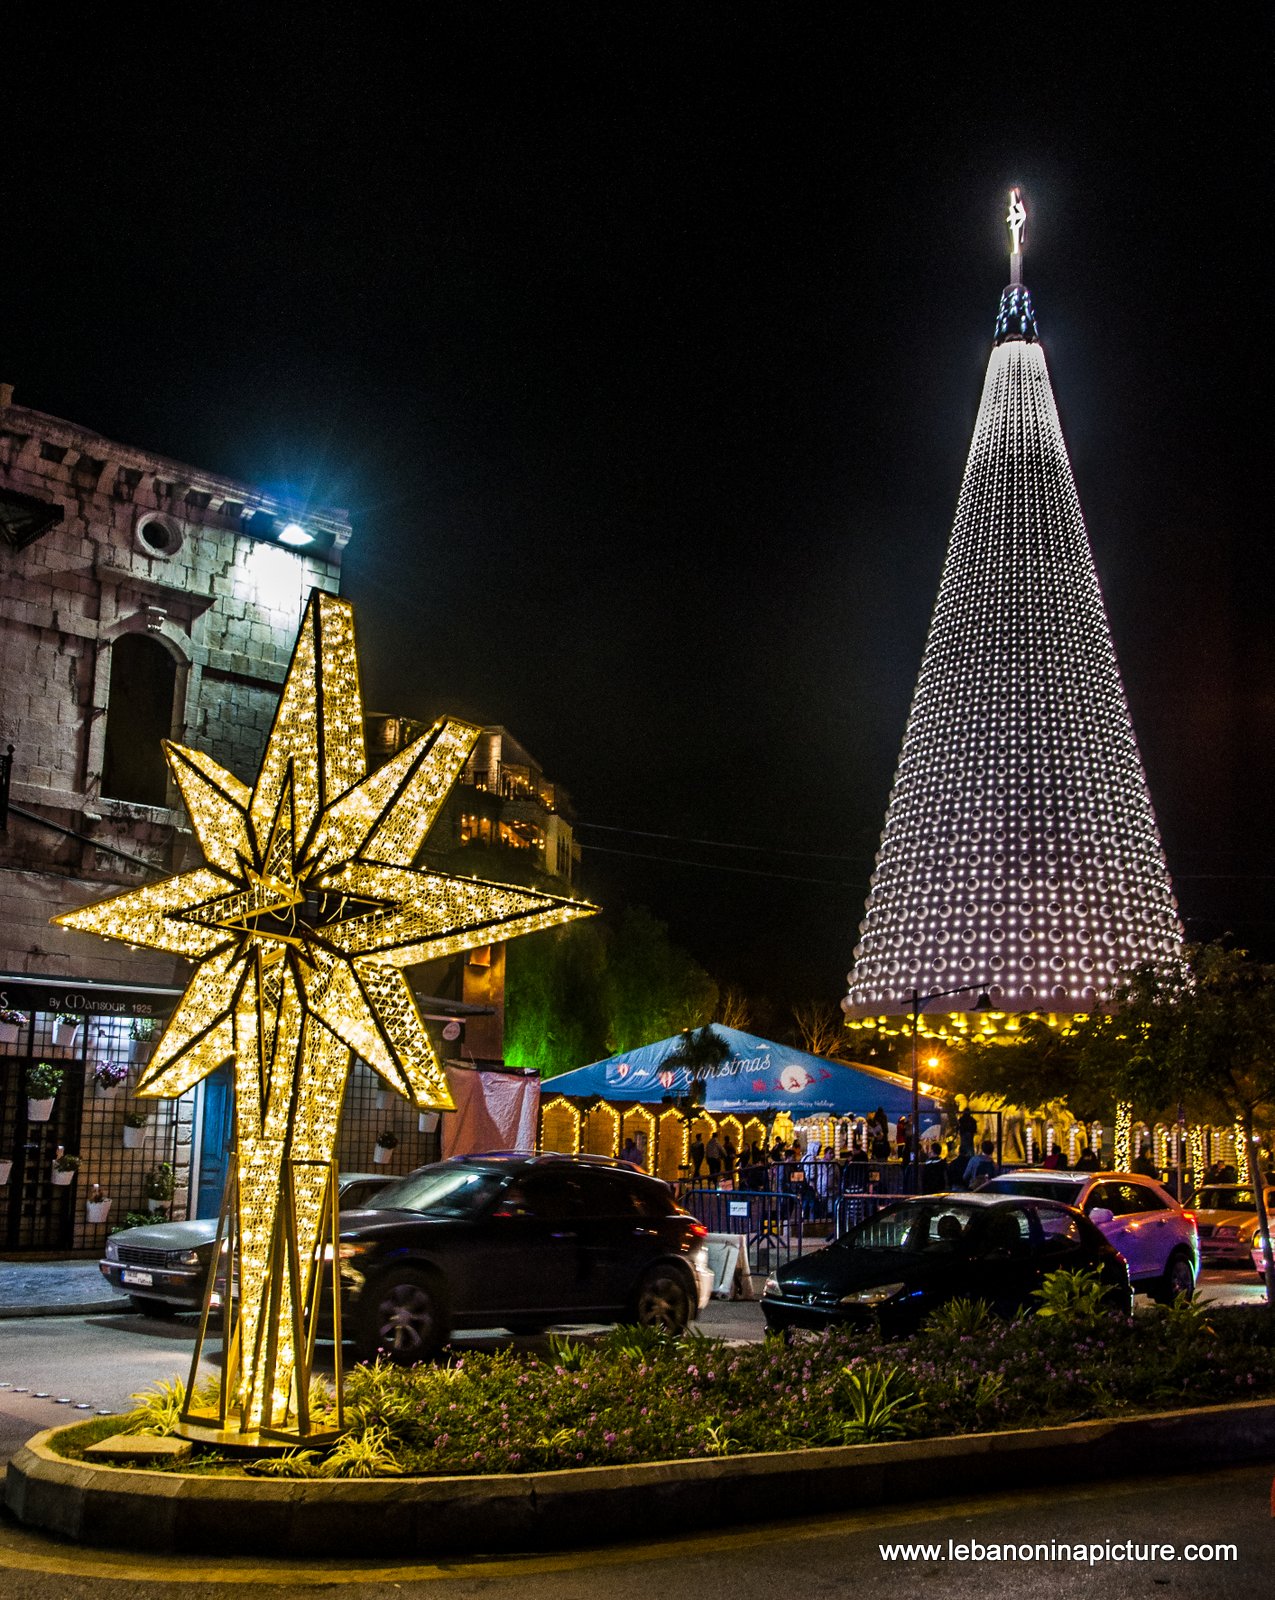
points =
(1156, 1236)
(1226, 1214)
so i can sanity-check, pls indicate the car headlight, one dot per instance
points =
(875, 1296)
(112, 1250)
(772, 1289)
(183, 1258)
(348, 1249)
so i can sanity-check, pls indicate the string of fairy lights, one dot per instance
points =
(1020, 851)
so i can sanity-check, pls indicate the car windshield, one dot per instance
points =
(932, 1225)
(442, 1191)
(1226, 1200)
(1035, 1188)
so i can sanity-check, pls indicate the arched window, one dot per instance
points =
(139, 714)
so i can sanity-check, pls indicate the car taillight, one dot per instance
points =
(1190, 1217)
(698, 1231)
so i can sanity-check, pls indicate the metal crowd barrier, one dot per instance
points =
(852, 1209)
(772, 1223)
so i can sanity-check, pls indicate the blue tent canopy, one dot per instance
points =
(756, 1077)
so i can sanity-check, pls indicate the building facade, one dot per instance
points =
(504, 819)
(1020, 857)
(140, 599)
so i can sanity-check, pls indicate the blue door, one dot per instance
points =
(216, 1131)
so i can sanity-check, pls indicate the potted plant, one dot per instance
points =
(64, 1168)
(66, 1028)
(98, 1206)
(11, 1025)
(159, 1185)
(6, 1167)
(44, 1079)
(386, 1144)
(135, 1125)
(427, 1122)
(107, 1077)
(142, 1035)
(381, 1100)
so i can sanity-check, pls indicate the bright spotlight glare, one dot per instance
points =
(294, 534)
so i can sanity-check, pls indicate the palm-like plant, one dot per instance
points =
(700, 1053)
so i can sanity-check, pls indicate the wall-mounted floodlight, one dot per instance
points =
(294, 534)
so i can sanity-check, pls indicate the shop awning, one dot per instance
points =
(758, 1075)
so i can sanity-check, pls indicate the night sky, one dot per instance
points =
(643, 345)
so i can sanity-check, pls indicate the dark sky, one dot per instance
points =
(644, 345)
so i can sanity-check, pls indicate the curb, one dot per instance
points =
(91, 1308)
(166, 1511)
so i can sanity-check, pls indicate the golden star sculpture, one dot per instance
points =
(299, 924)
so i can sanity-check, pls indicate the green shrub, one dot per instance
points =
(1077, 1296)
(44, 1079)
(959, 1319)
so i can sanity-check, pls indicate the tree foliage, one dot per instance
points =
(592, 989)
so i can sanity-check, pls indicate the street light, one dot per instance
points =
(983, 1003)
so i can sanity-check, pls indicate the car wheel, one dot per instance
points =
(663, 1300)
(1178, 1279)
(402, 1318)
(151, 1308)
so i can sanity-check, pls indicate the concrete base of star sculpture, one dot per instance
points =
(234, 1514)
(252, 1446)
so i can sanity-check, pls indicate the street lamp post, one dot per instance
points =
(983, 1003)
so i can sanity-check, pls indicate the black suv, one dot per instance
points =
(518, 1242)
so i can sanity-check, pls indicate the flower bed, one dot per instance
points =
(633, 1396)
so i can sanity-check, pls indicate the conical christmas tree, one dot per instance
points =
(1020, 853)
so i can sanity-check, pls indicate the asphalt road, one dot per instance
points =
(98, 1362)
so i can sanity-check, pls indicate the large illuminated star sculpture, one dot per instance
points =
(300, 922)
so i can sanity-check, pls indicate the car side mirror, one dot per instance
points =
(1100, 1216)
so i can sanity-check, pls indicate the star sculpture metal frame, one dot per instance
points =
(307, 909)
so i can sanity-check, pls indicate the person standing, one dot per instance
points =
(713, 1155)
(981, 1167)
(697, 1159)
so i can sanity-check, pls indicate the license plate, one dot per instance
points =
(144, 1280)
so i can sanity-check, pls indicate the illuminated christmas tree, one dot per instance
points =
(1020, 853)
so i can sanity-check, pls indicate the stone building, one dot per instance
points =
(139, 599)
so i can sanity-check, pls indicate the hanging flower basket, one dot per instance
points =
(135, 1134)
(11, 1023)
(64, 1170)
(427, 1122)
(66, 1031)
(385, 1147)
(381, 1100)
(6, 1167)
(39, 1110)
(142, 1036)
(109, 1078)
(98, 1211)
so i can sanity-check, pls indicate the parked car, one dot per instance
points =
(1226, 1215)
(163, 1266)
(896, 1267)
(1155, 1235)
(518, 1242)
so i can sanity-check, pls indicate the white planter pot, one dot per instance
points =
(106, 1091)
(427, 1122)
(39, 1110)
(6, 1167)
(62, 1180)
(382, 1156)
(158, 1205)
(65, 1034)
(134, 1138)
(381, 1099)
(10, 1032)
(139, 1050)
(98, 1211)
